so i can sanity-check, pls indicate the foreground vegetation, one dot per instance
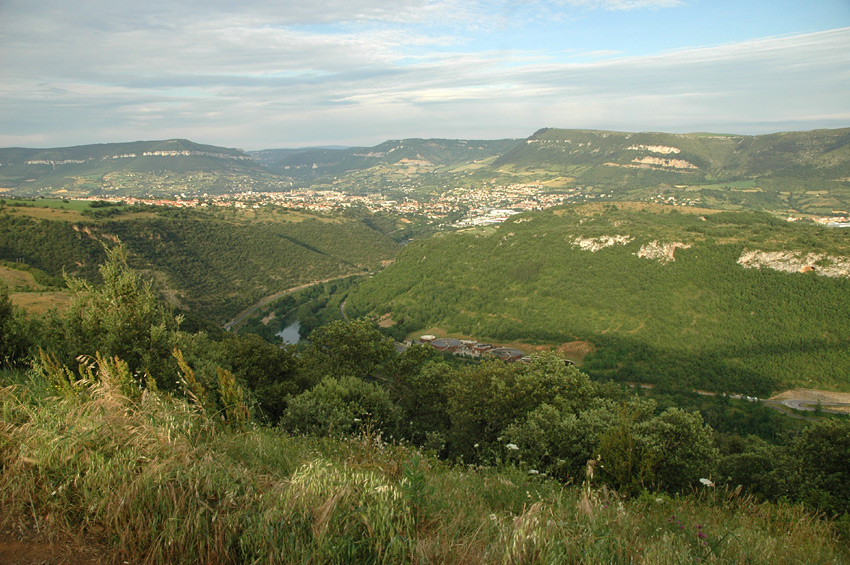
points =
(118, 429)
(149, 478)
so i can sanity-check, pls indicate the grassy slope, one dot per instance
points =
(156, 480)
(702, 321)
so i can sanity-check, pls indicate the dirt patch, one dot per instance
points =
(16, 549)
(813, 395)
(576, 350)
(40, 302)
(386, 321)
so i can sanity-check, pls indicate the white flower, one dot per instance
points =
(707, 482)
(512, 447)
(356, 420)
(533, 472)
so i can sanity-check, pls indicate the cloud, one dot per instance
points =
(255, 75)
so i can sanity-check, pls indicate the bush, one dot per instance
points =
(340, 407)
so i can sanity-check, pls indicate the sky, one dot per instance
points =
(257, 74)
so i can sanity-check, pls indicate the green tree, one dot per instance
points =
(346, 348)
(341, 407)
(121, 318)
(821, 459)
(678, 447)
(417, 384)
(15, 331)
(271, 372)
(485, 399)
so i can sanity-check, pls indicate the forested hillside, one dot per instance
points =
(211, 264)
(661, 296)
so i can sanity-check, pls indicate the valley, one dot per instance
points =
(704, 324)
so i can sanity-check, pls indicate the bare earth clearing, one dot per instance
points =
(34, 549)
(807, 399)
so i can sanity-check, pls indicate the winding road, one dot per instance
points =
(781, 404)
(264, 301)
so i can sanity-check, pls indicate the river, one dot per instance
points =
(290, 334)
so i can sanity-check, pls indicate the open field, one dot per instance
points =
(40, 302)
(46, 213)
(20, 280)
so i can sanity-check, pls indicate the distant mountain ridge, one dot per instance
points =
(710, 156)
(807, 171)
(100, 169)
(85, 153)
(316, 162)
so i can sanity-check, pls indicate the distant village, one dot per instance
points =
(486, 205)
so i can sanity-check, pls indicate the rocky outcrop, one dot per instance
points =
(663, 149)
(659, 251)
(594, 244)
(790, 262)
(660, 162)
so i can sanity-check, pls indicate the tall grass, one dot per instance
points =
(153, 479)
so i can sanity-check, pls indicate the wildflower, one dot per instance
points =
(475, 446)
(659, 500)
(356, 420)
(512, 447)
(533, 472)
(701, 535)
(707, 482)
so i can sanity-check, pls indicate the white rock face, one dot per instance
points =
(659, 251)
(663, 149)
(660, 162)
(789, 262)
(594, 244)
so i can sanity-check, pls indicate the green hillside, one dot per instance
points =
(212, 264)
(701, 320)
